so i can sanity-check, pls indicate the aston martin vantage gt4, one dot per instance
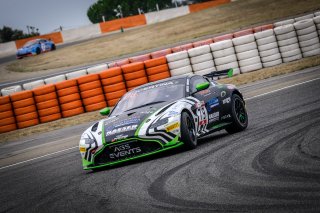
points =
(163, 115)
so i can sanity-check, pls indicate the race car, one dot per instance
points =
(35, 47)
(163, 115)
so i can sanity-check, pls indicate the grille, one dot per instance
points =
(125, 150)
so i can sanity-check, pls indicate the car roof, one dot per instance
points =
(165, 80)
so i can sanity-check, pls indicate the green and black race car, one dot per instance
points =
(163, 115)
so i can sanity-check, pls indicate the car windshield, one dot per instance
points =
(29, 43)
(167, 91)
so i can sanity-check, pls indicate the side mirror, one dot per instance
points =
(105, 111)
(202, 86)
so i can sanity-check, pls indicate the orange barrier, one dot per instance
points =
(91, 92)
(7, 119)
(157, 69)
(43, 95)
(203, 42)
(127, 22)
(263, 28)
(24, 109)
(243, 33)
(69, 98)
(202, 6)
(134, 75)
(55, 37)
(113, 83)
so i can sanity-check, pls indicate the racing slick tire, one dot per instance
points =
(188, 131)
(38, 51)
(239, 115)
(53, 47)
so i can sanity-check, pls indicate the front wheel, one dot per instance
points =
(38, 51)
(239, 115)
(188, 131)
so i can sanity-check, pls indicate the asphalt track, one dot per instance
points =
(273, 166)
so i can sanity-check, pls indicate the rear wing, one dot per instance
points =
(228, 72)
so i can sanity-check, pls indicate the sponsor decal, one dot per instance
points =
(172, 127)
(121, 129)
(119, 137)
(82, 149)
(226, 101)
(127, 122)
(203, 122)
(199, 104)
(99, 133)
(212, 103)
(223, 93)
(214, 117)
(205, 92)
(225, 117)
(123, 150)
(156, 86)
(173, 113)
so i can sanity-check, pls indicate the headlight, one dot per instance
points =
(86, 140)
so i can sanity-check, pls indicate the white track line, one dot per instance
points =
(283, 88)
(257, 96)
(32, 159)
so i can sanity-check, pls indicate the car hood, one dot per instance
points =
(124, 126)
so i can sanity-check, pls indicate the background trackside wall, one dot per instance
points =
(132, 21)
(202, 6)
(55, 37)
(163, 15)
(78, 34)
(8, 48)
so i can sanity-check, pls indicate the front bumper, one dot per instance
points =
(127, 150)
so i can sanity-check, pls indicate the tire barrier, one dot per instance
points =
(184, 47)
(114, 86)
(10, 90)
(225, 56)
(7, 118)
(288, 43)
(44, 95)
(24, 108)
(202, 60)
(268, 48)
(104, 84)
(91, 92)
(202, 43)
(76, 74)
(247, 53)
(140, 58)
(179, 63)
(308, 37)
(134, 75)
(161, 53)
(55, 79)
(157, 69)
(68, 98)
(97, 68)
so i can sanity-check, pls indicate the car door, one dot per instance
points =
(210, 97)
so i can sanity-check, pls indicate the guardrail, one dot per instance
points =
(103, 85)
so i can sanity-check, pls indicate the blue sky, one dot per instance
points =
(47, 15)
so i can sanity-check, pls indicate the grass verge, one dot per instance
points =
(225, 18)
(94, 116)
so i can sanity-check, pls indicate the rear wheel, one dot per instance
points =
(53, 47)
(188, 131)
(239, 115)
(38, 51)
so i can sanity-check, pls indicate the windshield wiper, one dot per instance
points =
(147, 104)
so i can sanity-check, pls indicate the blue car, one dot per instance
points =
(35, 47)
